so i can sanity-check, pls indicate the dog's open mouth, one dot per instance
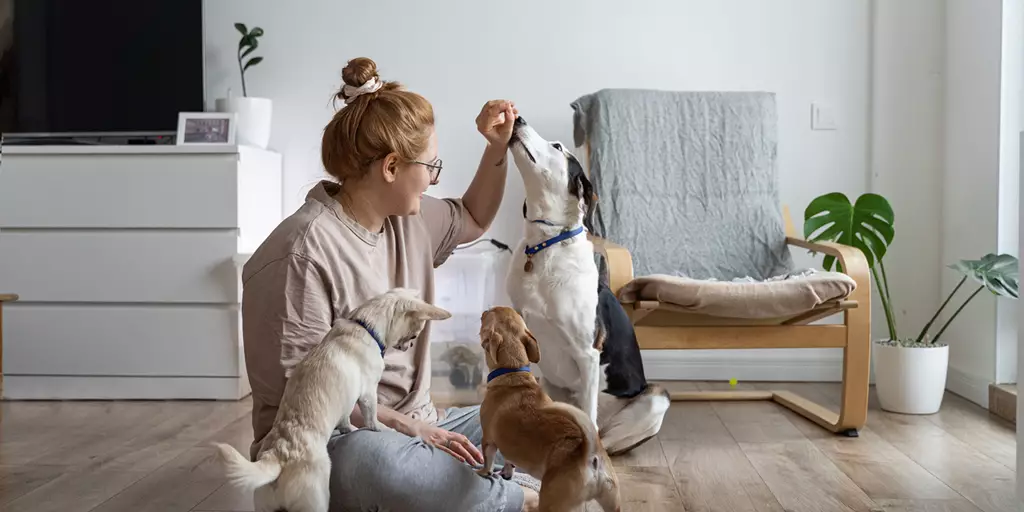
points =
(517, 140)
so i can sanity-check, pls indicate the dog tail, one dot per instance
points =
(245, 474)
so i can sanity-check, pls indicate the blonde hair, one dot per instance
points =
(374, 124)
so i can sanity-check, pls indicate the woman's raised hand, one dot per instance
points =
(495, 122)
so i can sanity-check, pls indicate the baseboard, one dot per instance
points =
(779, 365)
(35, 387)
(1002, 401)
(968, 386)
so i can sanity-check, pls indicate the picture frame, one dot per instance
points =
(206, 128)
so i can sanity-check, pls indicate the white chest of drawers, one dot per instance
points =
(124, 258)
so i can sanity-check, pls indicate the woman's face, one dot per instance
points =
(413, 178)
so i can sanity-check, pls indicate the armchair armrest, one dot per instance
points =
(853, 262)
(620, 263)
(8, 297)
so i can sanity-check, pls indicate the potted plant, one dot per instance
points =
(910, 372)
(253, 114)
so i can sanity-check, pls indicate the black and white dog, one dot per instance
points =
(589, 353)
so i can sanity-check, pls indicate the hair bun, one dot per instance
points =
(358, 71)
(360, 76)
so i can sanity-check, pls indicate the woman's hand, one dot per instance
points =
(496, 120)
(453, 443)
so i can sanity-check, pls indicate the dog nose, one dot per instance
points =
(520, 121)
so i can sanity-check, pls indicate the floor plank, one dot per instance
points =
(799, 475)
(77, 490)
(185, 481)
(985, 482)
(973, 425)
(988, 484)
(874, 465)
(953, 505)
(17, 481)
(710, 469)
(227, 499)
(645, 489)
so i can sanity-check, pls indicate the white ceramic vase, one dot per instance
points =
(253, 119)
(910, 380)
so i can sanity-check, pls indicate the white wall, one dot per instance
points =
(543, 55)
(908, 59)
(1020, 362)
(1010, 126)
(971, 183)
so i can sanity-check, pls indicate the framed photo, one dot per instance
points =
(200, 128)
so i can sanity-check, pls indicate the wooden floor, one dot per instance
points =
(714, 457)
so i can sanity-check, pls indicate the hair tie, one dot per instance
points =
(351, 93)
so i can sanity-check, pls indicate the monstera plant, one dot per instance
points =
(910, 372)
(866, 225)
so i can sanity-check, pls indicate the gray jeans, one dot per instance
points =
(392, 472)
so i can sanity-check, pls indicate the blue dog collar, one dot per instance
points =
(502, 371)
(565, 235)
(373, 334)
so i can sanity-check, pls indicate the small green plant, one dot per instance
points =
(869, 225)
(999, 273)
(247, 45)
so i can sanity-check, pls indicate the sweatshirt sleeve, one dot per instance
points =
(445, 220)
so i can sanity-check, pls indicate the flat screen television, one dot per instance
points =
(99, 66)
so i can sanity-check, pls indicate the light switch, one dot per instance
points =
(822, 117)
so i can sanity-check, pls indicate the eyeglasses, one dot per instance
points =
(434, 169)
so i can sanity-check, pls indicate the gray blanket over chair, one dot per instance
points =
(687, 181)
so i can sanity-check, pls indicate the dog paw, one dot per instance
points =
(484, 472)
(508, 471)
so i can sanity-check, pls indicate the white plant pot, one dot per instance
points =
(253, 119)
(910, 380)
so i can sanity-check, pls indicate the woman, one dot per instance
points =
(370, 231)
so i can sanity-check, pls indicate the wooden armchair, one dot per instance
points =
(690, 181)
(666, 327)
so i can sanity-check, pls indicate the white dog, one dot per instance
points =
(292, 470)
(591, 357)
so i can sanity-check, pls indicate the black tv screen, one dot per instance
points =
(99, 66)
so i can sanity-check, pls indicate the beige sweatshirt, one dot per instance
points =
(319, 264)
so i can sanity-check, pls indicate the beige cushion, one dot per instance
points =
(776, 297)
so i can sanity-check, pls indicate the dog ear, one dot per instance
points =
(423, 310)
(432, 312)
(581, 188)
(490, 341)
(531, 346)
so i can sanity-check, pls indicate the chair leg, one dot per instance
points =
(853, 405)
(853, 412)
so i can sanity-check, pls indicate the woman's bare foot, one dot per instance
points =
(531, 500)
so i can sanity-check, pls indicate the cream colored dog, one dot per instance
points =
(292, 470)
(553, 441)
